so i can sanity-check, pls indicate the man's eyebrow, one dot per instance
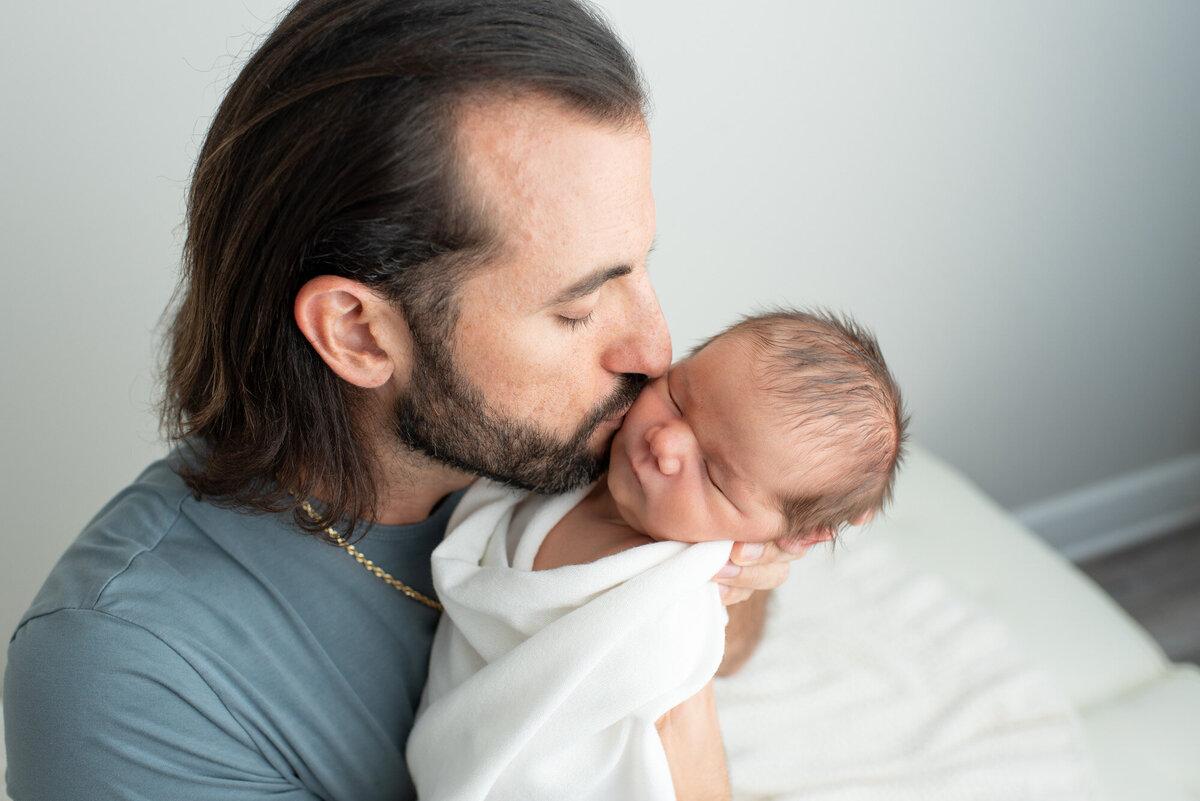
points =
(591, 283)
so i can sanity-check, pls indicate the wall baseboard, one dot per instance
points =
(1120, 512)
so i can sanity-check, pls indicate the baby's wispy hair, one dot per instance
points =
(826, 375)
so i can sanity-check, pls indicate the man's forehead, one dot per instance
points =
(568, 197)
(500, 133)
(513, 140)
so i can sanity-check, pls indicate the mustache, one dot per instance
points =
(618, 403)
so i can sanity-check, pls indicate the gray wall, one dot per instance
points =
(1007, 191)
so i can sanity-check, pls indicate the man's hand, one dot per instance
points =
(757, 566)
(753, 571)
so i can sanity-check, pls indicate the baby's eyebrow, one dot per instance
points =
(729, 476)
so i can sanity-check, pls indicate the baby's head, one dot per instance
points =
(825, 379)
(783, 427)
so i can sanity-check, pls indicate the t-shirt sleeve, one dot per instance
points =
(96, 707)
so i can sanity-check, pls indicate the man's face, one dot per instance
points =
(555, 335)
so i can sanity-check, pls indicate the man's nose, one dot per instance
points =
(643, 345)
(668, 444)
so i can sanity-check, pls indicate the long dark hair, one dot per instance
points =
(333, 153)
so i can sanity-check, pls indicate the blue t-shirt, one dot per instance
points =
(181, 650)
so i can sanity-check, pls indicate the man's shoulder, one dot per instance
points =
(134, 521)
(255, 633)
(152, 538)
(213, 583)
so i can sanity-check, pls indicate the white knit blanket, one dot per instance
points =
(875, 682)
(546, 685)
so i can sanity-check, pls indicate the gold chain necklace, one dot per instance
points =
(387, 577)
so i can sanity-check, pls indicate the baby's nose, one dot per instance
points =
(666, 446)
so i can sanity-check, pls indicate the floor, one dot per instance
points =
(1158, 583)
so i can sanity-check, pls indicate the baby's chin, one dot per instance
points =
(690, 537)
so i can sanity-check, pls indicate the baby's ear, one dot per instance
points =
(800, 540)
(864, 518)
(820, 535)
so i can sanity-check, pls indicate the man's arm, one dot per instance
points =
(746, 583)
(691, 738)
(744, 631)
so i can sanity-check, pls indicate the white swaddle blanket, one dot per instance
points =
(546, 685)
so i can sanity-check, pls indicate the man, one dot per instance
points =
(416, 254)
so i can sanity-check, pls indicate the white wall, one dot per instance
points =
(1007, 191)
(104, 107)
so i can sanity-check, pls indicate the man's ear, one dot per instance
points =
(359, 334)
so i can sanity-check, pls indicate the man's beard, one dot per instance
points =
(446, 418)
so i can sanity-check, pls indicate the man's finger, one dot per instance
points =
(753, 577)
(757, 553)
(734, 595)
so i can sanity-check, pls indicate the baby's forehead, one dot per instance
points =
(810, 459)
(734, 391)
